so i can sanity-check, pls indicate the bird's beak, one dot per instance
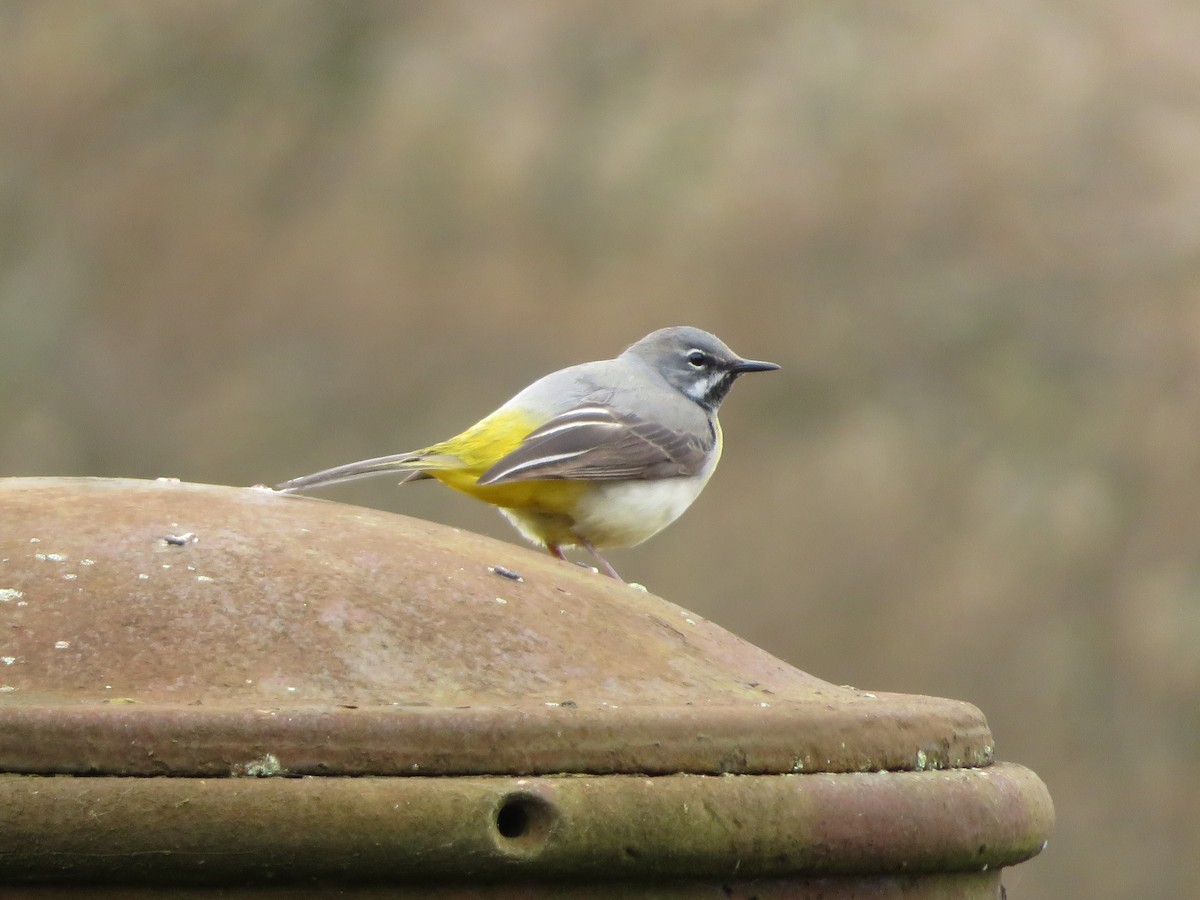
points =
(752, 365)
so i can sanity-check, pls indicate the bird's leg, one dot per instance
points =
(605, 565)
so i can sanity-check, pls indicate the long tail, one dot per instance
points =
(412, 464)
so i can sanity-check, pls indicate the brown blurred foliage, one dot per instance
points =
(242, 241)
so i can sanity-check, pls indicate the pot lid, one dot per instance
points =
(165, 628)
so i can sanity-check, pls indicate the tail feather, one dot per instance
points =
(412, 465)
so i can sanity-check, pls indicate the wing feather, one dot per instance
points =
(593, 442)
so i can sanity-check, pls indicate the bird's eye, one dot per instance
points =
(696, 359)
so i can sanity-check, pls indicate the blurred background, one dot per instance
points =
(243, 241)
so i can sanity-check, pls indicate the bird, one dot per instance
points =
(600, 455)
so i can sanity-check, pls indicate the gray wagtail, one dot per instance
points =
(602, 454)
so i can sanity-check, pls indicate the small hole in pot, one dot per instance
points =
(523, 823)
(512, 819)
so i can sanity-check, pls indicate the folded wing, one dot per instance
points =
(595, 443)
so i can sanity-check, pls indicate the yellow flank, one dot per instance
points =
(465, 457)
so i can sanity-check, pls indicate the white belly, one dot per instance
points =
(618, 513)
(624, 513)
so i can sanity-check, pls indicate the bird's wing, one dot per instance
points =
(593, 442)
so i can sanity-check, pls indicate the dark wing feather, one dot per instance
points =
(594, 443)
